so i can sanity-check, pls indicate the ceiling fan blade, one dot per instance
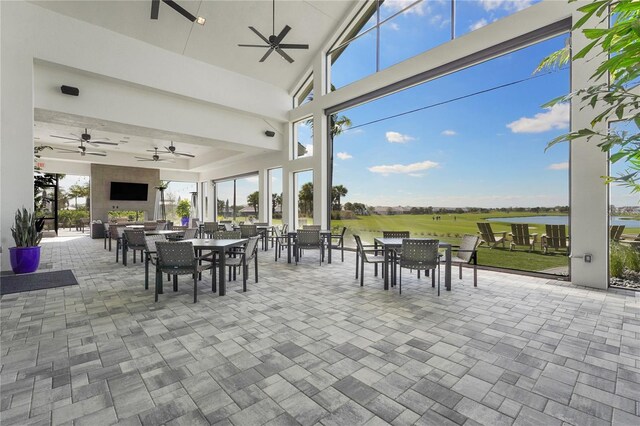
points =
(266, 55)
(99, 154)
(284, 55)
(253, 45)
(181, 10)
(144, 159)
(294, 46)
(266, 40)
(101, 143)
(67, 151)
(282, 34)
(155, 8)
(184, 154)
(63, 137)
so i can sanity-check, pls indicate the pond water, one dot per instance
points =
(561, 220)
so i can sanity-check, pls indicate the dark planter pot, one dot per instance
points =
(24, 259)
(185, 221)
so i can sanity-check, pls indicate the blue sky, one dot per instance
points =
(487, 150)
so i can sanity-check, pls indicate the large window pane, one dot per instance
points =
(303, 186)
(302, 138)
(414, 31)
(471, 15)
(238, 199)
(275, 189)
(624, 220)
(354, 61)
(474, 149)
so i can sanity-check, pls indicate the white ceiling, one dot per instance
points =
(227, 23)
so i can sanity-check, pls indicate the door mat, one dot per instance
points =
(36, 281)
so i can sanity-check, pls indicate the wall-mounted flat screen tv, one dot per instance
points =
(127, 191)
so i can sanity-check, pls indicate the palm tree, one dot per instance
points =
(254, 200)
(305, 198)
(76, 191)
(337, 192)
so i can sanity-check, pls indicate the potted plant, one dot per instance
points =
(25, 256)
(182, 210)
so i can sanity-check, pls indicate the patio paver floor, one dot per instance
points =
(308, 345)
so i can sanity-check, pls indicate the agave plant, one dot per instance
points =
(25, 231)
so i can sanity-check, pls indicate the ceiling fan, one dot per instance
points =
(274, 42)
(155, 157)
(86, 138)
(82, 150)
(155, 11)
(171, 149)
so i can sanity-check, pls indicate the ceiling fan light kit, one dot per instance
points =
(155, 11)
(273, 42)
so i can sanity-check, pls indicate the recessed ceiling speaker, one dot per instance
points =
(270, 133)
(71, 91)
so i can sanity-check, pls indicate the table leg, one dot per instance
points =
(447, 269)
(222, 288)
(124, 252)
(329, 249)
(288, 248)
(146, 270)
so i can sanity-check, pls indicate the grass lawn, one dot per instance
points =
(450, 228)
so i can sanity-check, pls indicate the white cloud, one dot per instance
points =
(558, 166)
(508, 5)
(393, 26)
(344, 155)
(410, 169)
(394, 6)
(555, 117)
(478, 24)
(449, 132)
(395, 137)
(309, 148)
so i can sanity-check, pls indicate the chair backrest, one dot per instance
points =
(175, 255)
(151, 240)
(520, 234)
(119, 231)
(251, 249)
(396, 234)
(210, 227)
(261, 224)
(486, 233)
(106, 229)
(247, 231)
(308, 238)
(161, 226)
(227, 235)
(135, 237)
(316, 227)
(228, 226)
(467, 247)
(616, 232)
(556, 236)
(277, 232)
(190, 233)
(225, 221)
(419, 253)
(285, 228)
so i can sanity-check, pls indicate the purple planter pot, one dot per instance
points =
(185, 221)
(24, 259)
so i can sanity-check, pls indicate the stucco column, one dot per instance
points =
(589, 195)
(16, 127)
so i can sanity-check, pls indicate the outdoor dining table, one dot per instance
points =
(388, 244)
(220, 247)
(324, 233)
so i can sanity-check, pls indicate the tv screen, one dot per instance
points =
(126, 191)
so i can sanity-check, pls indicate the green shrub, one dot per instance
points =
(183, 208)
(623, 257)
